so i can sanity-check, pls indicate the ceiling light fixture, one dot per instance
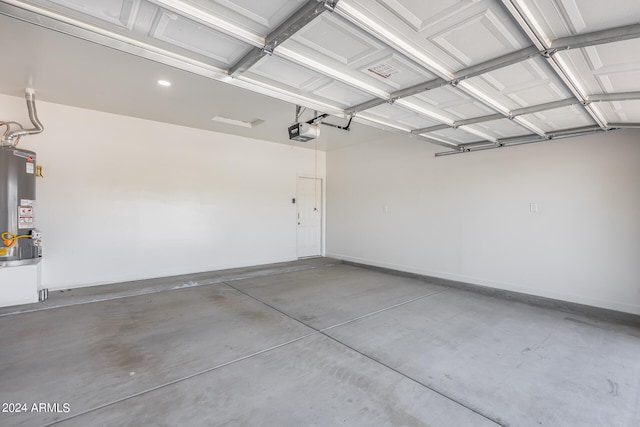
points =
(165, 83)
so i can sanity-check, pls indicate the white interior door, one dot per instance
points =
(309, 218)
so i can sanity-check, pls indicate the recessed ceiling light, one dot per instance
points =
(164, 83)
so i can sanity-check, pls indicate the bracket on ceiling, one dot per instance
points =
(330, 5)
(269, 48)
(318, 119)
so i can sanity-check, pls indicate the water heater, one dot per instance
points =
(20, 242)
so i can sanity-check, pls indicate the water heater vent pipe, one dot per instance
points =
(11, 137)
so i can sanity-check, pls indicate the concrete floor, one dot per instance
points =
(312, 342)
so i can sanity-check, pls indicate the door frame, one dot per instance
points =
(323, 211)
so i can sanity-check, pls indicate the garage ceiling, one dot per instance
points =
(463, 74)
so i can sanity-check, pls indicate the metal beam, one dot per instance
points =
(436, 141)
(246, 62)
(572, 42)
(366, 105)
(466, 73)
(496, 63)
(459, 123)
(572, 132)
(475, 144)
(544, 107)
(515, 113)
(419, 88)
(610, 35)
(475, 70)
(624, 125)
(508, 141)
(570, 82)
(498, 116)
(403, 93)
(480, 119)
(620, 96)
(521, 140)
(430, 129)
(305, 14)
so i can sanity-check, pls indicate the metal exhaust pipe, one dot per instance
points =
(11, 138)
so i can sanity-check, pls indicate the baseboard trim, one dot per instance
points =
(551, 303)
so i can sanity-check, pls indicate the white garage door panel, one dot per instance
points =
(300, 80)
(117, 12)
(395, 71)
(453, 34)
(393, 113)
(607, 68)
(455, 104)
(477, 38)
(521, 85)
(562, 18)
(559, 119)
(337, 39)
(257, 18)
(457, 136)
(342, 94)
(333, 41)
(417, 17)
(620, 111)
(192, 36)
(287, 74)
(503, 128)
(397, 31)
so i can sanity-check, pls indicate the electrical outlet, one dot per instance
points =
(533, 207)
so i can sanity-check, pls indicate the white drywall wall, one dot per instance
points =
(467, 217)
(124, 198)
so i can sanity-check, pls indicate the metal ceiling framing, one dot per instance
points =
(566, 43)
(259, 46)
(305, 14)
